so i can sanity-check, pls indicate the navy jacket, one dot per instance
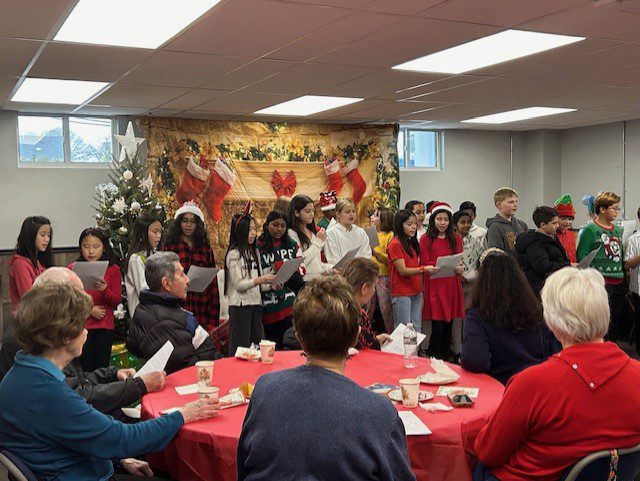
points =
(499, 353)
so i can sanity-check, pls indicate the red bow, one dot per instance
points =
(286, 186)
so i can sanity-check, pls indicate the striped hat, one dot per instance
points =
(436, 206)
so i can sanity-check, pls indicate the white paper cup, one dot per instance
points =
(267, 351)
(204, 370)
(410, 389)
(208, 392)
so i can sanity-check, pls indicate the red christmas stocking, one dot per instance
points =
(222, 178)
(355, 179)
(193, 181)
(332, 169)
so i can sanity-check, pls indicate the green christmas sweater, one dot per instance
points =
(609, 258)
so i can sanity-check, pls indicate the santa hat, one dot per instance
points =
(564, 206)
(189, 206)
(437, 206)
(328, 200)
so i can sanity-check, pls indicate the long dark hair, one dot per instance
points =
(298, 203)
(265, 240)
(200, 238)
(503, 296)
(408, 243)
(26, 244)
(450, 233)
(238, 239)
(107, 250)
(140, 237)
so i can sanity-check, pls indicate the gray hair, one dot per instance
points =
(159, 266)
(59, 275)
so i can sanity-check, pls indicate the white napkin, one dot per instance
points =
(432, 407)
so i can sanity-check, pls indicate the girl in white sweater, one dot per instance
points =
(308, 236)
(345, 235)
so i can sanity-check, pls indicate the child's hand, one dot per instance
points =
(322, 234)
(431, 269)
(276, 287)
(266, 279)
(459, 269)
(101, 285)
(98, 312)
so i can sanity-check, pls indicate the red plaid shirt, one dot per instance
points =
(205, 305)
(367, 337)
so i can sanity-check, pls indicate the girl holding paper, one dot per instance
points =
(274, 248)
(188, 238)
(106, 294)
(345, 235)
(443, 299)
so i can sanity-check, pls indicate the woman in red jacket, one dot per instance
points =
(583, 399)
(33, 256)
(106, 294)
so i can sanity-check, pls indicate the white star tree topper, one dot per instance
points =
(129, 143)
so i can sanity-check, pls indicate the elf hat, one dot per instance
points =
(437, 206)
(189, 206)
(564, 206)
(328, 200)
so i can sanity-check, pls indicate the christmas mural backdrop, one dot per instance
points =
(220, 165)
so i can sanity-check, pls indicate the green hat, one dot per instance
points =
(564, 206)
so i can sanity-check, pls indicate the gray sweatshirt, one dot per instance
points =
(502, 234)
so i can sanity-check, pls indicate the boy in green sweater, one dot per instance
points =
(609, 259)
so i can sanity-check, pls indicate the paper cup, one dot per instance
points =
(410, 389)
(204, 370)
(208, 392)
(267, 351)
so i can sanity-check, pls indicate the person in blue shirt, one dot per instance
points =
(48, 425)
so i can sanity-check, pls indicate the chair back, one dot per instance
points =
(613, 465)
(17, 470)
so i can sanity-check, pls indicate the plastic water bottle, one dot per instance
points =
(410, 339)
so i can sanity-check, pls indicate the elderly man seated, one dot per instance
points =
(107, 389)
(160, 318)
(583, 399)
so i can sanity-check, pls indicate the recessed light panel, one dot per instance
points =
(54, 91)
(517, 115)
(307, 105)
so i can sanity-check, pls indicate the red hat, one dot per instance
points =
(440, 206)
(564, 206)
(328, 200)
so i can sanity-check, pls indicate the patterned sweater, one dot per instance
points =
(609, 258)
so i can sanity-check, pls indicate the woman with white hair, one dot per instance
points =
(581, 400)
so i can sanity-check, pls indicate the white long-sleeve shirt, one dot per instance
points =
(340, 241)
(135, 281)
(241, 289)
(312, 256)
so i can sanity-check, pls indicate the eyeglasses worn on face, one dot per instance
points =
(615, 209)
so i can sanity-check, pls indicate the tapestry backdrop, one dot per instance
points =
(221, 165)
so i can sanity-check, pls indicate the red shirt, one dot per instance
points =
(109, 298)
(403, 286)
(583, 399)
(22, 273)
(568, 241)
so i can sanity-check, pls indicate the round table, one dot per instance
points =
(206, 450)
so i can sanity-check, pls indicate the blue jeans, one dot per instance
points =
(407, 309)
(482, 473)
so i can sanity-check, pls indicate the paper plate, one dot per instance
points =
(396, 395)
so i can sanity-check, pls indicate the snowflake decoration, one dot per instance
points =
(147, 184)
(119, 205)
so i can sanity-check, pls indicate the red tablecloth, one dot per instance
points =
(206, 450)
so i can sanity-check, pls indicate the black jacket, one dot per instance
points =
(100, 388)
(158, 319)
(540, 255)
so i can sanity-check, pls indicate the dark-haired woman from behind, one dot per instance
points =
(33, 256)
(504, 332)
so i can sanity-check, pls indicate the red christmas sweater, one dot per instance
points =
(109, 298)
(22, 273)
(568, 241)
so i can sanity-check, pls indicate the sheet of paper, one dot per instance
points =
(90, 272)
(412, 424)
(372, 232)
(472, 392)
(349, 255)
(158, 361)
(199, 337)
(134, 412)
(200, 277)
(588, 259)
(188, 389)
(288, 268)
(396, 344)
(447, 265)
(628, 228)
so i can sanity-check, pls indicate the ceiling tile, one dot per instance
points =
(181, 69)
(148, 96)
(193, 99)
(393, 109)
(91, 109)
(382, 84)
(455, 112)
(419, 92)
(252, 28)
(243, 102)
(6, 85)
(616, 98)
(629, 35)
(166, 113)
(351, 108)
(248, 74)
(334, 3)
(15, 55)
(44, 108)
(86, 62)
(625, 77)
(30, 18)
(401, 7)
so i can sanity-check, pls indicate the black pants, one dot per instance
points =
(131, 477)
(275, 332)
(245, 327)
(440, 339)
(97, 350)
(617, 299)
(636, 326)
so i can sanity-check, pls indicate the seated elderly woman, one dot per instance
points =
(583, 399)
(290, 427)
(47, 424)
(160, 318)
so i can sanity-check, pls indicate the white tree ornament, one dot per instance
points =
(129, 143)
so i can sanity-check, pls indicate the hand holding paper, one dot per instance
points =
(158, 361)
(396, 344)
(349, 255)
(288, 268)
(588, 259)
(90, 273)
(447, 265)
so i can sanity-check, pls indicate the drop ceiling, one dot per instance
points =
(245, 55)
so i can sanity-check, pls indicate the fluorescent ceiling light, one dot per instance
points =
(517, 115)
(130, 23)
(497, 48)
(307, 105)
(54, 91)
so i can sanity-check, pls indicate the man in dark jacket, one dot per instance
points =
(160, 318)
(540, 252)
